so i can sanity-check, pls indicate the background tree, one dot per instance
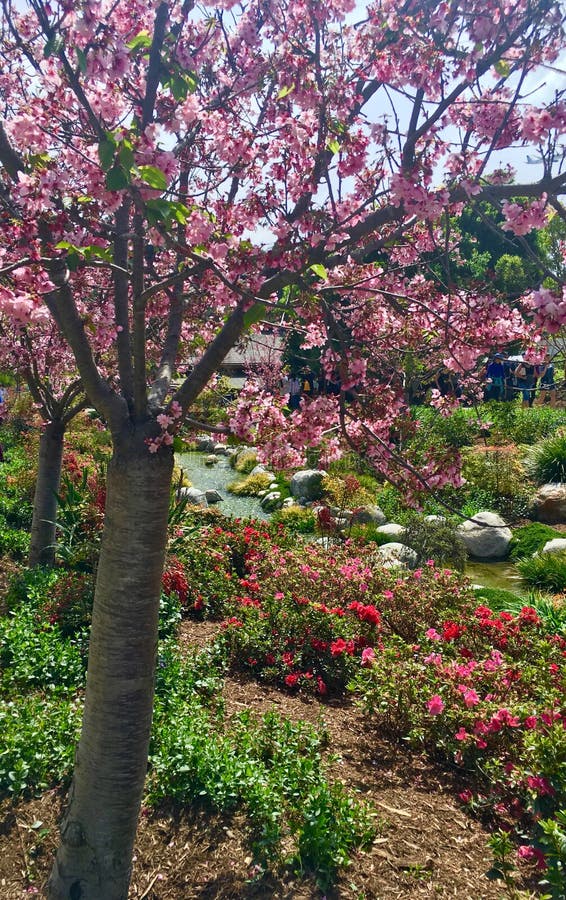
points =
(206, 160)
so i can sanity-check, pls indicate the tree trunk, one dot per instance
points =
(42, 548)
(99, 827)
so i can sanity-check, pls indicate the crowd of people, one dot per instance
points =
(305, 383)
(506, 377)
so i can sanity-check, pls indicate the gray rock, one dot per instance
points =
(288, 502)
(392, 528)
(486, 536)
(556, 545)
(194, 496)
(435, 519)
(222, 450)
(213, 496)
(307, 484)
(261, 470)
(271, 501)
(211, 459)
(205, 444)
(368, 515)
(549, 504)
(395, 554)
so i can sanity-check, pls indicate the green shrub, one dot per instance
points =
(531, 425)
(244, 462)
(250, 486)
(436, 540)
(547, 461)
(457, 430)
(529, 539)
(498, 471)
(35, 656)
(497, 598)
(69, 604)
(366, 534)
(298, 519)
(38, 742)
(547, 571)
(14, 542)
(346, 492)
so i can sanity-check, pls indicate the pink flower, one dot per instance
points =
(368, 656)
(435, 705)
(432, 634)
(461, 735)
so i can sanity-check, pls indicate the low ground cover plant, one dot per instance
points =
(269, 769)
(529, 539)
(546, 571)
(546, 461)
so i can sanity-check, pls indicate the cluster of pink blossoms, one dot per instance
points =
(169, 425)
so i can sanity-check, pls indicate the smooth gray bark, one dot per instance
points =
(99, 827)
(42, 547)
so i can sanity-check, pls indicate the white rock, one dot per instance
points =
(486, 536)
(556, 545)
(395, 554)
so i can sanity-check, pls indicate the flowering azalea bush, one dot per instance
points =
(485, 691)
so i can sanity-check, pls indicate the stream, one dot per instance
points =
(502, 575)
(217, 477)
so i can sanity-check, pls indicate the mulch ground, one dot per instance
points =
(426, 845)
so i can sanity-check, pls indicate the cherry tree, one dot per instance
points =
(219, 168)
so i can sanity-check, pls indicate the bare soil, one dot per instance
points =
(426, 845)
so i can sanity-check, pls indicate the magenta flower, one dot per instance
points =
(368, 656)
(435, 705)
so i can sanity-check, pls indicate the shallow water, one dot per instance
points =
(501, 575)
(217, 477)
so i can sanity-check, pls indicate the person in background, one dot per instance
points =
(525, 374)
(547, 386)
(495, 378)
(294, 392)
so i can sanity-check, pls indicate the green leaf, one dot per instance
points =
(334, 145)
(285, 91)
(153, 177)
(319, 270)
(53, 46)
(126, 156)
(106, 151)
(254, 315)
(116, 179)
(502, 68)
(192, 80)
(94, 250)
(141, 40)
(81, 59)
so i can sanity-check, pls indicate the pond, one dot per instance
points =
(217, 477)
(501, 575)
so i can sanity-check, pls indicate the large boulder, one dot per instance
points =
(307, 484)
(486, 536)
(271, 501)
(205, 444)
(549, 504)
(368, 515)
(393, 529)
(395, 554)
(194, 496)
(557, 545)
(213, 496)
